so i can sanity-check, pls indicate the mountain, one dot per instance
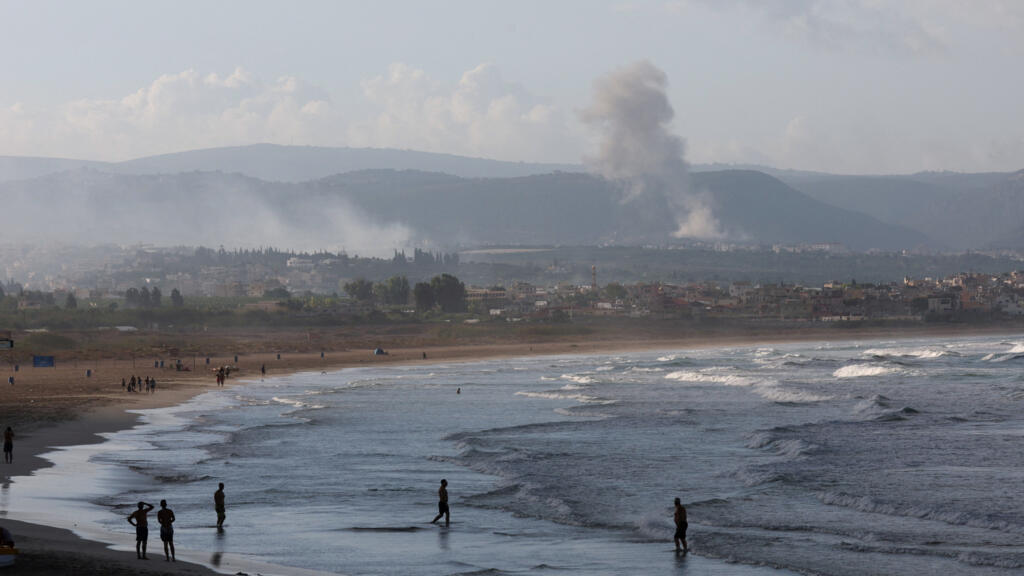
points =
(26, 167)
(961, 211)
(285, 163)
(378, 210)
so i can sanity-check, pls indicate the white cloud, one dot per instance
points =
(482, 115)
(175, 112)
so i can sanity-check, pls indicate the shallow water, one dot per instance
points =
(843, 458)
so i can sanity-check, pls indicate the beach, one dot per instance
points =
(60, 406)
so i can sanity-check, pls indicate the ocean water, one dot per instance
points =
(845, 458)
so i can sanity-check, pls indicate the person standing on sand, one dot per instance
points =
(442, 504)
(263, 371)
(218, 505)
(680, 519)
(141, 523)
(9, 446)
(166, 519)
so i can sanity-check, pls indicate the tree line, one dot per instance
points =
(443, 291)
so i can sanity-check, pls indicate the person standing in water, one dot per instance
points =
(218, 505)
(442, 504)
(9, 445)
(681, 525)
(166, 519)
(141, 523)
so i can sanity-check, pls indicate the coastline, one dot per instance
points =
(50, 550)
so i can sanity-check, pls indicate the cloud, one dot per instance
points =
(482, 115)
(903, 27)
(175, 112)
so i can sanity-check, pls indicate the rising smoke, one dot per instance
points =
(631, 114)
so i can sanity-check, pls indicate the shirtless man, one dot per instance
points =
(442, 504)
(9, 445)
(218, 505)
(166, 519)
(681, 525)
(138, 519)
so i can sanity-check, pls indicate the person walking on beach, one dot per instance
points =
(680, 519)
(263, 371)
(442, 504)
(9, 446)
(218, 505)
(166, 519)
(141, 523)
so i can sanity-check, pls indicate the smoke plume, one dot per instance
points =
(631, 114)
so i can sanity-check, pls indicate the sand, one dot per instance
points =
(61, 406)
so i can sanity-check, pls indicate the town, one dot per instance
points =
(322, 287)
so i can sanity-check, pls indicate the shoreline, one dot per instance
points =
(52, 550)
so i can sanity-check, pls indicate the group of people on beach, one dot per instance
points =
(165, 517)
(137, 384)
(222, 374)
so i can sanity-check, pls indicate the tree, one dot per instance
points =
(155, 296)
(361, 289)
(131, 296)
(449, 292)
(2, 292)
(280, 292)
(176, 300)
(398, 290)
(614, 291)
(144, 297)
(71, 303)
(423, 294)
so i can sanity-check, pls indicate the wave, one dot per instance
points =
(945, 515)
(862, 370)
(879, 408)
(584, 398)
(578, 378)
(767, 388)
(788, 448)
(1002, 357)
(922, 353)
(298, 404)
(789, 396)
(700, 376)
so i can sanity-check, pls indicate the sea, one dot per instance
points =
(834, 458)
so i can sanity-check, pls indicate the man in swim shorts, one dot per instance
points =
(681, 525)
(166, 519)
(138, 519)
(442, 504)
(218, 505)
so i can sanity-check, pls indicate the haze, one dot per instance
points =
(847, 86)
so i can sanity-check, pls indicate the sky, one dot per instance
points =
(848, 86)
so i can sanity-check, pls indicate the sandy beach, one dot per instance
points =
(49, 407)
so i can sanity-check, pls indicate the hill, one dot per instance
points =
(284, 163)
(378, 210)
(961, 211)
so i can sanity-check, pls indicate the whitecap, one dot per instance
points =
(861, 370)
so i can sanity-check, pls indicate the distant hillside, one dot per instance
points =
(25, 167)
(961, 211)
(285, 163)
(383, 209)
